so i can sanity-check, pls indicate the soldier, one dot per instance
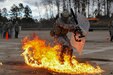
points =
(64, 24)
(16, 29)
(5, 29)
(10, 29)
(1, 28)
(111, 30)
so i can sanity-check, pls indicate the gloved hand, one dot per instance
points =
(79, 31)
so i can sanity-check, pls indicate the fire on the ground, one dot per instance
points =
(37, 53)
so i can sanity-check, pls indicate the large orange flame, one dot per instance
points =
(37, 53)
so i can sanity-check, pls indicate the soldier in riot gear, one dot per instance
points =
(64, 24)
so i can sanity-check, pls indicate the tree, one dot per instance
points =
(75, 5)
(2, 19)
(49, 7)
(58, 6)
(4, 12)
(84, 4)
(108, 6)
(21, 9)
(0, 13)
(37, 4)
(27, 12)
(14, 11)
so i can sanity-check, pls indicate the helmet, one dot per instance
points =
(65, 13)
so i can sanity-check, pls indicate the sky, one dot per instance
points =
(31, 3)
(37, 12)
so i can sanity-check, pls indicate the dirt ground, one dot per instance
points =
(98, 49)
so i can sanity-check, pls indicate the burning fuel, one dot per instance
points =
(37, 53)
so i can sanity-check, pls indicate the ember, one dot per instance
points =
(37, 53)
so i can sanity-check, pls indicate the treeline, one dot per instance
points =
(19, 12)
(23, 14)
(89, 8)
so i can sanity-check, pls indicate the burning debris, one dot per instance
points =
(37, 53)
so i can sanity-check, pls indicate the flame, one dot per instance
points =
(37, 53)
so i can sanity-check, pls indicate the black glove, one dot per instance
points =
(78, 30)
